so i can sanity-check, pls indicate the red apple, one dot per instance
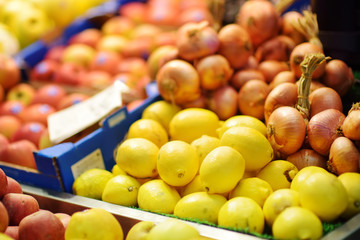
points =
(120, 25)
(64, 218)
(135, 66)
(165, 38)
(44, 71)
(105, 61)
(9, 72)
(55, 53)
(44, 141)
(9, 124)
(2, 93)
(90, 37)
(113, 42)
(12, 231)
(3, 184)
(79, 54)
(21, 153)
(196, 15)
(139, 47)
(96, 79)
(18, 206)
(4, 218)
(4, 143)
(13, 186)
(136, 11)
(50, 93)
(32, 131)
(68, 74)
(23, 92)
(71, 99)
(38, 112)
(15, 108)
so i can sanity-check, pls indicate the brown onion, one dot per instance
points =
(344, 156)
(351, 125)
(241, 76)
(307, 157)
(323, 129)
(277, 48)
(282, 77)
(270, 68)
(288, 29)
(286, 131)
(223, 101)
(324, 98)
(159, 57)
(199, 102)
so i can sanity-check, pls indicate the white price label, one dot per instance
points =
(92, 160)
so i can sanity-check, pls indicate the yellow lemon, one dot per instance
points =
(157, 196)
(149, 129)
(93, 224)
(191, 123)
(161, 111)
(173, 229)
(116, 170)
(297, 223)
(201, 206)
(242, 213)
(222, 169)
(254, 188)
(137, 157)
(194, 186)
(278, 173)
(140, 230)
(177, 163)
(351, 181)
(3, 236)
(204, 145)
(122, 190)
(91, 183)
(303, 174)
(278, 201)
(253, 146)
(242, 120)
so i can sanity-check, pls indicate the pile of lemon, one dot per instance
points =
(188, 163)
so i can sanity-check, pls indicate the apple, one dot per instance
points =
(196, 14)
(55, 53)
(41, 225)
(120, 25)
(9, 72)
(140, 230)
(136, 66)
(44, 141)
(18, 206)
(50, 93)
(23, 92)
(72, 99)
(139, 47)
(90, 37)
(14, 108)
(2, 93)
(136, 11)
(4, 218)
(105, 61)
(112, 42)
(145, 30)
(44, 70)
(9, 124)
(4, 143)
(80, 54)
(96, 79)
(21, 153)
(32, 131)
(69, 74)
(13, 186)
(3, 184)
(13, 232)
(38, 112)
(165, 38)
(10, 44)
(64, 218)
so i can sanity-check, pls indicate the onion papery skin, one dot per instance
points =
(286, 131)
(323, 128)
(270, 68)
(343, 157)
(324, 98)
(277, 48)
(240, 77)
(351, 125)
(223, 101)
(282, 77)
(307, 157)
(199, 102)
(288, 29)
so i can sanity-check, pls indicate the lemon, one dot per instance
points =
(194, 186)
(204, 145)
(278, 201)
(201, 206)
(324, 194)
(116, 170)
(242, 213)
(93, 224)
(297, 223)
(4, 236)
(157, 196)
(254, 188)
(91, 183)
(242, 120)
(191, 123)
(177, 163)
(222, 169)
(173, 229)
(161, 111)
(140, 230)
(122, 190)
(253, 146)
(278, 173)
(149, 129)
(303, 174)
(351, 181)
(137, 157)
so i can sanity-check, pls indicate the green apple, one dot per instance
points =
(140, 230)
(23, 92)
(79, 53)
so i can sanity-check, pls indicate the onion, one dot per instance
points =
(241, 76)
(251, 98)
(339, 76)
(252, 63)
(282, 77)
(270, 68)
(288, 29)
(351, 125)
(284, 94)
(159, 57)
(286, 131)
(277, 48)
(178, 82)
(323, 128)
(324, 98)
(196, 40)
(223, 101)
(343, 157)
(307, 157)
(199, 102)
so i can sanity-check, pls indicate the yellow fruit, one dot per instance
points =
(191, 123)
(278, 173)
(157, 196)
(221, 170)
(204, 145)
(194, 186)
(177, 163)
(254, 188)
(3, 236)
(303, 174)
(201, 206)
(161, 111)
(351, 181)
(91, 183)
(140, 230)
(253, 146)
(277, 202)
(245, 121)
(122, 190)
(93, 224)
(242, 213)
(324, 194)
(116, 170)
(173, 229)
(137, 157)
(297, 223)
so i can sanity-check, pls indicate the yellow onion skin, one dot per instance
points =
(223, 101)
(351, 125)
(324, 98)
(307, 157)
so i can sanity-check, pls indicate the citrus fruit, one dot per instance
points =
(161, 111)
(191, 123)
(140, 230)
(201, 206)
(221, 169)
(93, 224)
(351, 182)
(177, 163)
(303, 174)
(116, 170)
(254, 188)
(173, 229)
(297, 223)
(194, 186)
(242, 213)
(242, 120)
(278, 173)
(122, 190)
(277, 202)
(204, 145)
(253, 146)
(137, 157)
(91, 183)
(149, 129)
(157, 196)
